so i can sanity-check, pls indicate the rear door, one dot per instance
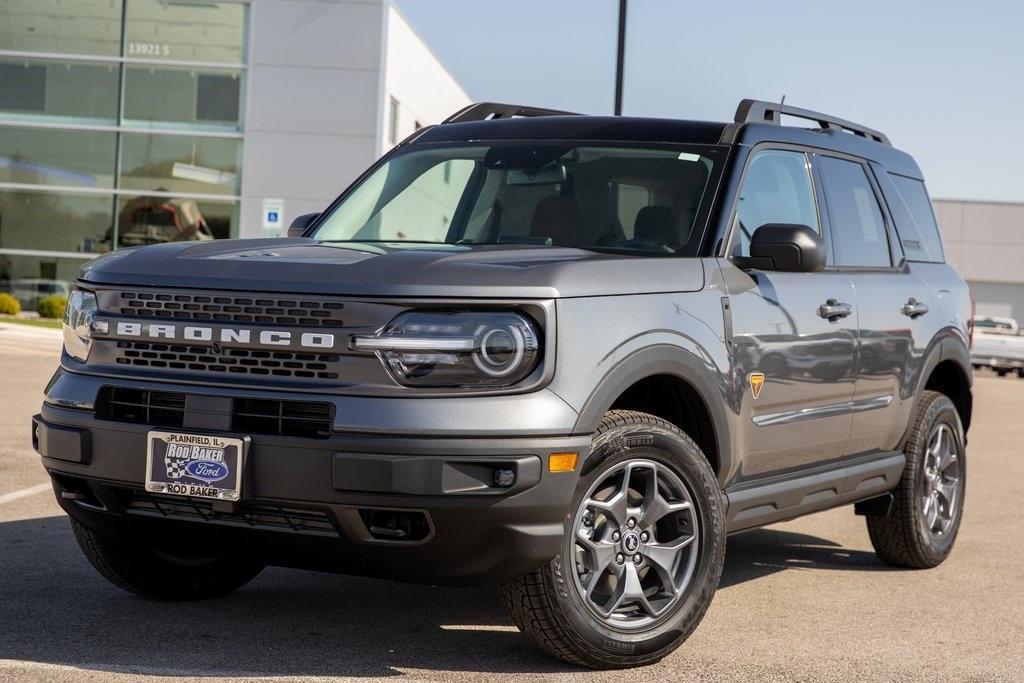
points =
(891, 301)
(799, 414)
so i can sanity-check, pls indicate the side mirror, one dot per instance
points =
(786, 247)
(300, 224)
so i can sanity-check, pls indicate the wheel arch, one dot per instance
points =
(675, 385)
(947, 370)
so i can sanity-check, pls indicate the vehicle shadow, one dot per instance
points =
(55, 609)
(763, 552)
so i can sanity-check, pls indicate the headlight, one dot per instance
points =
(465, 349)
(78, 318)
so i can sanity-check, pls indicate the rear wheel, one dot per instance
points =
(921, 525)
(160, 575)
(642, 552)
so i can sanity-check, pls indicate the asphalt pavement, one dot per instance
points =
(803, 600)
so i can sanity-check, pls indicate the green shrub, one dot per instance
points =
(52, 306)
(9, 305)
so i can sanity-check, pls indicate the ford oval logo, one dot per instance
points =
(207, 470)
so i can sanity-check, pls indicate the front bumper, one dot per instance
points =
(417, 508)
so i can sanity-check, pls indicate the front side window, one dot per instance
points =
(858, 228)
(636, 200)
(776, 189)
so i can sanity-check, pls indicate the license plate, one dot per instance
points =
(195, 465)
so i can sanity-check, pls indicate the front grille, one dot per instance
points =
(141, 406)
(225, 308)
(309, 419)
(308, 521)
(236, 361)
(287, 418)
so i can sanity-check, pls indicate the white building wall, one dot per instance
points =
(321, 77)
(313, 102)
(417, 80)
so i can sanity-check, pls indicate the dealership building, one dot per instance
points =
(985, 242)
(127, 122)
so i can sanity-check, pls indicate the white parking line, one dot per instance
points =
(25, 493)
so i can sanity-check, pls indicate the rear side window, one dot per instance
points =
(857, 225)
(915, 221)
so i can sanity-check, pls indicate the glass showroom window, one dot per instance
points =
(180, 164)
(31, 277)
(120, 125)
(75, 223)
(41, 156)
(186, 97)
(185, 31)
(154, 219)
(55, 89)
(82, 28)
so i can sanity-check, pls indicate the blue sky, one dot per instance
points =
(944, 79)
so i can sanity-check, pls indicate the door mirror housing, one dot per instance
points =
(786, 247)
(299, 225)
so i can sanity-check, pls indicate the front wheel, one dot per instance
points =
(641, 556)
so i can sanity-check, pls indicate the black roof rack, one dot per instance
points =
(483, 111)
(757, 111)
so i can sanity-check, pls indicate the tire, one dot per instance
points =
(903, 536)
(1020, 373)
(157, 575)
(549, 604)
(1002, 372)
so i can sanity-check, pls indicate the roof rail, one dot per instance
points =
(483, 111)
(758, 111)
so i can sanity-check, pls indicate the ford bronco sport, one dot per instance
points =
(563, 354)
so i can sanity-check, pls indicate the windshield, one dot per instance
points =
(631, 199)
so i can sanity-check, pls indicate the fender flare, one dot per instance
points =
(947, 345)
(710, 384)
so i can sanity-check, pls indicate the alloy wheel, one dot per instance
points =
(940, 486)
(635, 541)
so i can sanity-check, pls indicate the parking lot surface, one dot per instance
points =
(801, 600)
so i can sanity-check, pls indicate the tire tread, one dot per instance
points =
(895, 536)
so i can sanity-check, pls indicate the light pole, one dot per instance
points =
(621, 57)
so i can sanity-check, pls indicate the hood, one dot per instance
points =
(300, 265)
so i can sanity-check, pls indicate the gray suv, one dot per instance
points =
(563, 354)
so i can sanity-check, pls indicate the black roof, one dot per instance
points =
(755, 122)
(575, 127)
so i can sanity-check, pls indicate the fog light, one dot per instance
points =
(562, 462)
(504, 478)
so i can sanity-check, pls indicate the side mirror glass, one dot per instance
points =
(299, 225)
(786, 247)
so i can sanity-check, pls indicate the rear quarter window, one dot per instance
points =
(915, 220)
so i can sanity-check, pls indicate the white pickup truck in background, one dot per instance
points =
(998, 344)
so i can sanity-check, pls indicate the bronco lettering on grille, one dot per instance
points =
(194, 333)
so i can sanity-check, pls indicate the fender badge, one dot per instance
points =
(756, 382)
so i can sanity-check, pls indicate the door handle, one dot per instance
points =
(913, 308)
(834, 310)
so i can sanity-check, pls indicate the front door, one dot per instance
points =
(794, 335)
